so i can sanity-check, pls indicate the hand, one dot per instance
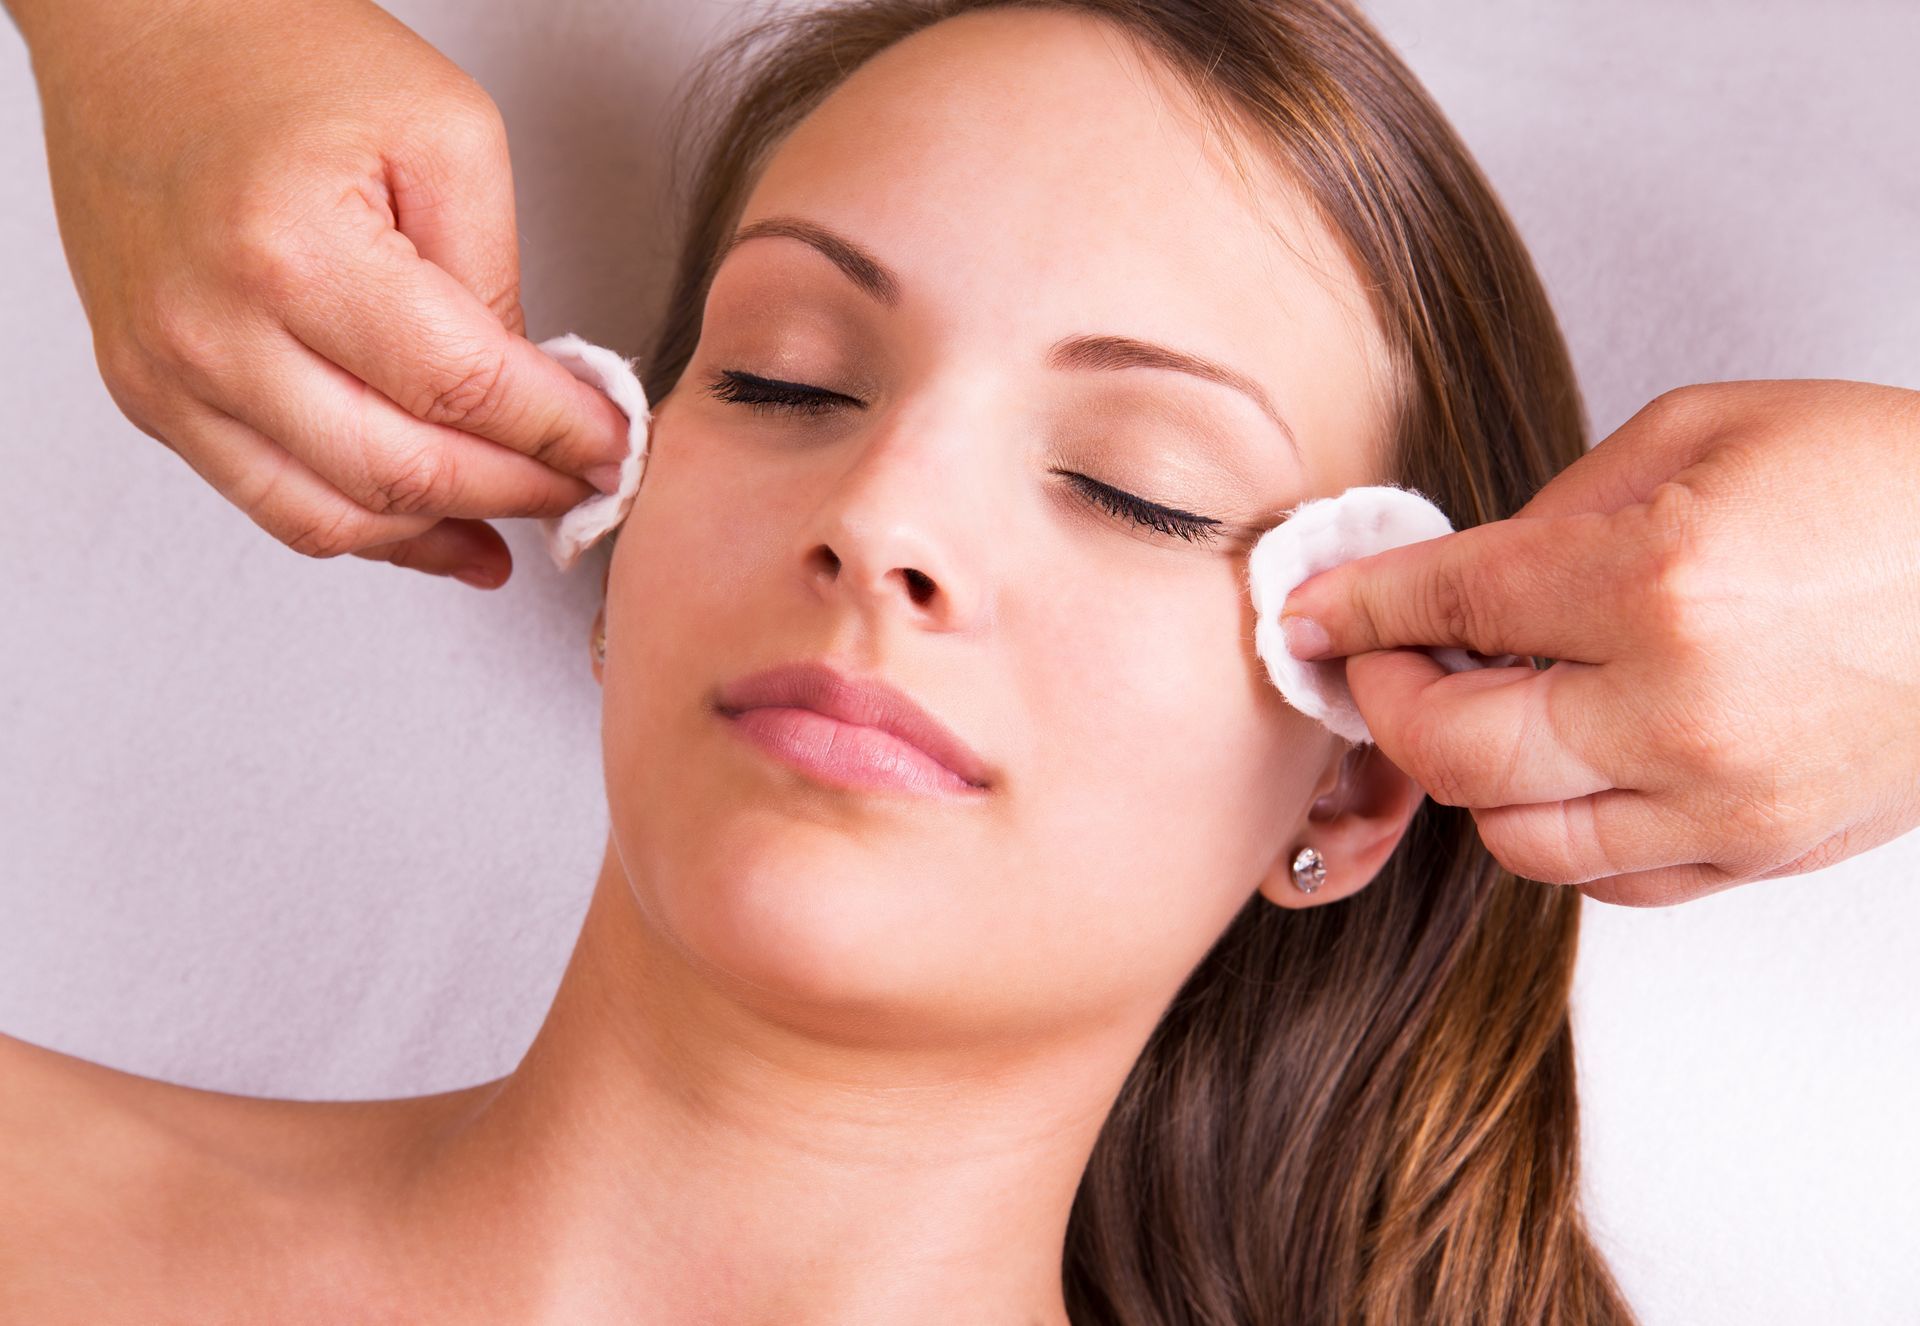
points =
(292, 229)
(1729, 587)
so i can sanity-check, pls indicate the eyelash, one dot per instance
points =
(795, 398)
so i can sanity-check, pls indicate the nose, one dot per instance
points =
(901, 529)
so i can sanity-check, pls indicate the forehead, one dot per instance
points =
(1030, 173)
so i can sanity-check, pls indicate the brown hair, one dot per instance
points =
(1362, 1112)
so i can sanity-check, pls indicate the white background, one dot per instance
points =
(327, 829)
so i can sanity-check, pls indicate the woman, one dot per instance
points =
(1055, 1023)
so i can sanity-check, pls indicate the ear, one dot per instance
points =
(1362, 806)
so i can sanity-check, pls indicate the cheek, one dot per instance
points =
(694, 546)
(1172, 774)
(673, 619)
(695, 488)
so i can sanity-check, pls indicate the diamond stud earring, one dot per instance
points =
(1309, 869)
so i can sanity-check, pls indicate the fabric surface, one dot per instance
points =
(1315, 536)
(571, 534)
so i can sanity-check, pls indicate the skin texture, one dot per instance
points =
(292, 229)
(829, 1056)
(1710, 719)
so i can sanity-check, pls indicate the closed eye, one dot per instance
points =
(1166, 519)
(769, 394)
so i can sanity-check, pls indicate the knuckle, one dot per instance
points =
(276, 272)
(466, 393)
(1550, 854)
(1549, 872)
(274, 234)
(1510, 854)
(1759, 829)
(327, 534)
(1493, 833)
(1696, 743)
(259, 245)
(1451, 602)
(506, 306)
(128, 371)
(471, 125)
(1550, 845)
(1426, 758)
(409, 484)
(1675, 589)
(1669, 402)
(1616, 892)
(1829, 851)
(1676, 407)
(282, 272)
(178, 335)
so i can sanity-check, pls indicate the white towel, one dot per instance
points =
(1318, 534)
(570, 535)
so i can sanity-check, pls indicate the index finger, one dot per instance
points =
(1560, 587)
(411, 331)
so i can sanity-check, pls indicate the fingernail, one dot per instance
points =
(605, 477)
(478, 576)
(1306, 638)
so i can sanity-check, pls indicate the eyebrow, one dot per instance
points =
(1081, 351)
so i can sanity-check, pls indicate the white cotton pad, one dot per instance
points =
(1323, 533)
(570, 535)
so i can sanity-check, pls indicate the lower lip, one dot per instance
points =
(846, 754)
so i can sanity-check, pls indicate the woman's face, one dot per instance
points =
(1025, 183)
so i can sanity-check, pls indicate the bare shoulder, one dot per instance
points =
(75, 1170)
(120, 1192)
(62, 1120)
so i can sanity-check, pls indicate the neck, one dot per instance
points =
(695, 1151)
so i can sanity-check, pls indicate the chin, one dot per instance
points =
(802, 922)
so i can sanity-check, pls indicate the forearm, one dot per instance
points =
(64, 35)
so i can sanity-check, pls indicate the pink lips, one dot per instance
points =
(855, 732)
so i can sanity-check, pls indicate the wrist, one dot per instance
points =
(68, 39)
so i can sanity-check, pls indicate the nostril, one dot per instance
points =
(920, 584)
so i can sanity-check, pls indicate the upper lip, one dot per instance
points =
(868, 701)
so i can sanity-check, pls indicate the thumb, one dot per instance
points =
(1390, 599)
(452, 190)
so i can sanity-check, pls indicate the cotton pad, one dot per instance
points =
(1323, 533)
(571, 534)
